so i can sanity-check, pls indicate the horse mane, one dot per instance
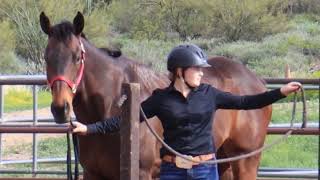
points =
(64, 30)
(113, 53)
(149, 78)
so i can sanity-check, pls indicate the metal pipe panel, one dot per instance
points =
(299, 131)
(34, 129)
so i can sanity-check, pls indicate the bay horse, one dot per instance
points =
(88, 81)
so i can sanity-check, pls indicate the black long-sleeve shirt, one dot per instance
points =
(187, 121)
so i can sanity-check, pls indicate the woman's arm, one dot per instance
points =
(112, 124)
(227, 100)
(108, 125)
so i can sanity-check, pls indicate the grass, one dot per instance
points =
(48, 148)
(21, 99)
(295, 152)
(282, 112)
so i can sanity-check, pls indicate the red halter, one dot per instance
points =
(72, 85)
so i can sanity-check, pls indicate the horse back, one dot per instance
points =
(237, 129)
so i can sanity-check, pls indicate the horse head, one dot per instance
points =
(64, 57)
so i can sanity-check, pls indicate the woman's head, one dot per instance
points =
(185, 63)
(185, 56)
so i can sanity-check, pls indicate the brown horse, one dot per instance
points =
(86, 79)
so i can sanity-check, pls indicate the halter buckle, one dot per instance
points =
(74, 89)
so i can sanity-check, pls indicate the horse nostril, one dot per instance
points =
(66, 108)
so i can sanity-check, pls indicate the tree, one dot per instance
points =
(246, 19)
(185, 17)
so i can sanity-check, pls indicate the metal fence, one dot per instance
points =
(39, 80)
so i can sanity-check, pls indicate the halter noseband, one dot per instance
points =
(71, 84)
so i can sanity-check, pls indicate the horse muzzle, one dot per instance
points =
(61, 114)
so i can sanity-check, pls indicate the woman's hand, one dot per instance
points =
(79, 128)
(290, 88)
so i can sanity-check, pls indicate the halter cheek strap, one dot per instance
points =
(73, 85)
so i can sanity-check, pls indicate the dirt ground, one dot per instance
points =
(10, 140)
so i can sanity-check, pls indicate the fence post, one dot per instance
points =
(1, 116)
(1, 102)
(129, 133)
(34, 136)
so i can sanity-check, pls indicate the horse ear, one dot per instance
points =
(45, 23)
(78, 23)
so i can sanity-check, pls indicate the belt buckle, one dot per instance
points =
(183, 163)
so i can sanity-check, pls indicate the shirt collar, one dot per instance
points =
(171, 88)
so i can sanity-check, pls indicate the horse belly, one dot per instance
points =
(149, 150)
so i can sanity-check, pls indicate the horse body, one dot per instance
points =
(97, 95)
(237, 131)
(98, 102)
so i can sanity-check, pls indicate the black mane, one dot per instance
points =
(62, 31)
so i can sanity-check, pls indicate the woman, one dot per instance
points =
(185, 109)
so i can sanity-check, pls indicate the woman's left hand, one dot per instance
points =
(290, 88)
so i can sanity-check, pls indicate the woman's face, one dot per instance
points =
(193, 76)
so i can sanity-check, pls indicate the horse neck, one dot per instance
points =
(97, 63)
(100, 82)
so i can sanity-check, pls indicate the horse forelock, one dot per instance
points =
(62, 31)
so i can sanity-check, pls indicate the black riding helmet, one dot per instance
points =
(186, 56)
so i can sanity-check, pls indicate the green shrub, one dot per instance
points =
(247, 19)
(32, 41)
(298, 48)
(9, 63)
(7, 37)
(303, 6)
(150, 52)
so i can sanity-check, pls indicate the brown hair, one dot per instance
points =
(173, 75)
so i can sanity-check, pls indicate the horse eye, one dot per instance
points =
(76, 58)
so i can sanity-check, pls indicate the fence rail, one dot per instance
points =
(36, 80)
(42, 80)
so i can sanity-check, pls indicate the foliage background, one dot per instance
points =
(265, 35)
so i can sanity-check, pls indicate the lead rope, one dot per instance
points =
(69, 173)
(76, 156)
(75, 141)
(235, 158)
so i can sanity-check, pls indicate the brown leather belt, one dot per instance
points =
(205, 157)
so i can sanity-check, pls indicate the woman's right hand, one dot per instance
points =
(79, 128)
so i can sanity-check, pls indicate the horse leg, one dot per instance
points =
(145, 175)
(224, 169)
(246, 169)
(225, 172)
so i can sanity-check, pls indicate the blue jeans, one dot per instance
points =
(169, 171)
